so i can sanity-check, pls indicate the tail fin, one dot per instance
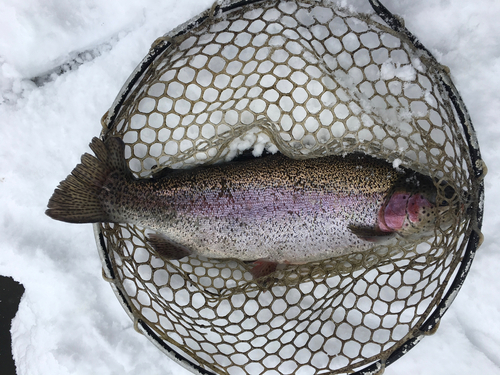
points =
(76, 199)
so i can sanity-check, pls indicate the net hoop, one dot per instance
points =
(219, 10)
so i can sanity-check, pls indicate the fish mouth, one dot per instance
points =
(448, 194)
(450, 199)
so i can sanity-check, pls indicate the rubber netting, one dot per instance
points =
(309, 79)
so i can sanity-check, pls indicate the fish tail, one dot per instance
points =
(77, 198)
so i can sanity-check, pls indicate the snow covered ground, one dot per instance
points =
(69, 321)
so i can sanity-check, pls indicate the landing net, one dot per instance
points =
(307, 78)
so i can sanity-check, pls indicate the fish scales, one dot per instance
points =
(273, 208)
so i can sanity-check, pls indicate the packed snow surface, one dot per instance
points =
(69, 320)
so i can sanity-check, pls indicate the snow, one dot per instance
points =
(253, 139)
(403, 72)
(69, 321)
(396, 163)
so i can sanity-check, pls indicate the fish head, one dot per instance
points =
(417, 208)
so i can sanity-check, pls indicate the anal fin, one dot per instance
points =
(166, 248)
(262, 268)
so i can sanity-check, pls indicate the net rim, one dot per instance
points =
(475, 238)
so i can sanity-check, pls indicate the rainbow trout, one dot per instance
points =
(270, 210)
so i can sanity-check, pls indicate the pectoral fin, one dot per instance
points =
(370, 234)
(166, 248)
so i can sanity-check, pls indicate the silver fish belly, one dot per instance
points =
(283, 225)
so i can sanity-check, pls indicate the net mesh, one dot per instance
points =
(309, 79)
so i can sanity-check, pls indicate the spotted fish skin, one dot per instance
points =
(272, 208)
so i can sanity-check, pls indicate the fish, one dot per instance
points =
(267, 211)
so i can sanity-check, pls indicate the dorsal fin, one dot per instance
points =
(165, 171)
(248, 155)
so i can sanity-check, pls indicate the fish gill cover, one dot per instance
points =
(308, 79)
